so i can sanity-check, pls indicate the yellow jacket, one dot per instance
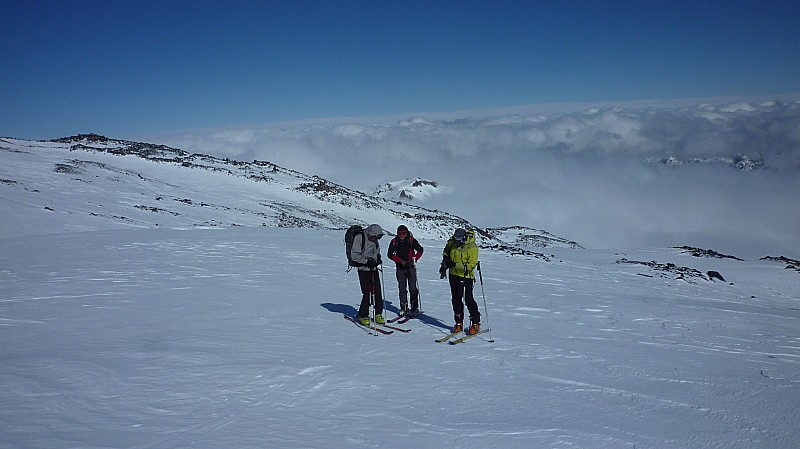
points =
(465, 257)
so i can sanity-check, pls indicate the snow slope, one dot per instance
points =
(234, 337)
(90, 182)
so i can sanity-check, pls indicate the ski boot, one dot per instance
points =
(474, 329)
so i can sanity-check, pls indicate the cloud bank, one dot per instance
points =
(725, 176)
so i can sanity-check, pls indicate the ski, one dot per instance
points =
(447, 337)
(376, 328)
(400, 319)
(395, 328)
(468, 336)
(395, 319)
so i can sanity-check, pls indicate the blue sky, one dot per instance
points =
(132, 68)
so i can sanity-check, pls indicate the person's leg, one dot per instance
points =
(412, 287)
(366, 289)
(456, 292)
(472, 305)
(376, 284)
(402, 290)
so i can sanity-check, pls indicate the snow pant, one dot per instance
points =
(407, 281)
(462, 288)
(370, 283)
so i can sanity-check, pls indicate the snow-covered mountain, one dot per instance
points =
(740, 161)
(409, 189)
(530, 238)
(90, 182)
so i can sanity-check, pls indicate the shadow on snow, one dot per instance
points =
(388, 306)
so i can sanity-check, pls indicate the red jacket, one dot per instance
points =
(405, 250)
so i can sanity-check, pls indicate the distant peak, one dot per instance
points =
(423, 182)
(408, 189)
(523, 236)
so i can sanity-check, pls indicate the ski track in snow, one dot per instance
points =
(234, 338)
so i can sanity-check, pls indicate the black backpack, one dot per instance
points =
(349, 236)
(451, 242)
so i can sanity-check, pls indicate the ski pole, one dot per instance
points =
(372, 303)
(419, 295)
(383, 285)
(485, 309)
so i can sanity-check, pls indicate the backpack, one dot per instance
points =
(446, 253)
(349, 236)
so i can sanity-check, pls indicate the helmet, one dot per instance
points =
(460, 235)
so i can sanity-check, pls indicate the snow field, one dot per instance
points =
(234, 338)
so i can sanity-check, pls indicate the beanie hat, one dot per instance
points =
(402, 228)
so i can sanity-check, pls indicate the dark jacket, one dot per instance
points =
(405, 253)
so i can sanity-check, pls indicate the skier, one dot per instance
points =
(460, 255)
(405, 251)
(367, 254)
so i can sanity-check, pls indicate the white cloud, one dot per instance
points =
(581, 175)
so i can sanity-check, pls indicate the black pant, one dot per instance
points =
(462, 287)
(370, 283)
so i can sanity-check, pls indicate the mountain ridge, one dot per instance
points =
(157, 185)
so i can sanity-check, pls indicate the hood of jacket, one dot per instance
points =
(374, 230)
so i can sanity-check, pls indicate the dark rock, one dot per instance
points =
(698, 252)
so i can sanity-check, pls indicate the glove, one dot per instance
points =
(380, 262)
(442, 271)
(371, 263)
(449, 263)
